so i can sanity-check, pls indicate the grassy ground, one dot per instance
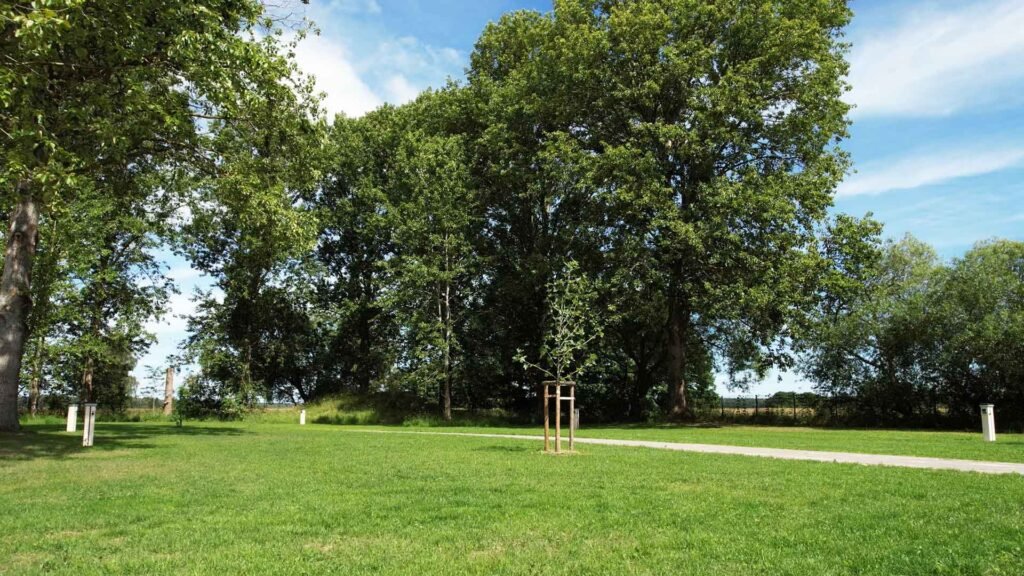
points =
(962, 445)
(262, 498)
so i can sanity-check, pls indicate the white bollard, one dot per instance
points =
(988, 422)
(302, 418)
(72, 417)
(89, 425)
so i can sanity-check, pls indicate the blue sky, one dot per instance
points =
(937, 136)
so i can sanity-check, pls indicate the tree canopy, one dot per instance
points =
(642, 189)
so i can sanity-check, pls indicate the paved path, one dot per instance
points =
(783, 453)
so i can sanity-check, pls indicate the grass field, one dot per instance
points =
(281, 499)
(961, 445)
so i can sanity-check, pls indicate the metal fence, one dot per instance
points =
(774, 409)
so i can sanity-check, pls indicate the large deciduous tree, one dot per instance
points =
(433, 267)
(86, 85)
(707, 130)
(909, 339)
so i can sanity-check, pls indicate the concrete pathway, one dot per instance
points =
(782, 453)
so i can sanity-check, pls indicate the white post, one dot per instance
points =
(988, 422)
(72, 417)
(302, 418)
(89, 425)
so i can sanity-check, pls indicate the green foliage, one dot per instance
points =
(680, 155)
(118, 108)
(915, 340)
(200, 399)
(573, 324)
(98, 287)
(704, 134)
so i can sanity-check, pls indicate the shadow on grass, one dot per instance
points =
(500, 448)
(52, 442)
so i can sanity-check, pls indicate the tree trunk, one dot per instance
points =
(87, 380)
(35, 387)
(447, 393)
(16, 301)
(33, 396)
(169, 392)
(679, 324)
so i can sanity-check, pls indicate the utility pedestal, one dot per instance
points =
(89, 424)
(988, 422)
(72, 418)
(302, 418)
(550, 386)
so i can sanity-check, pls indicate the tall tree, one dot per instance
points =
(709, 131)
(355, 240)
(435, 222)
(89, 84)
(871, 335)
(976, 312)
(250, 228)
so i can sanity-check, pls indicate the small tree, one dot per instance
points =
(572, 325)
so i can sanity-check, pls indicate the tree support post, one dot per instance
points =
(547, 420)
(553, 390)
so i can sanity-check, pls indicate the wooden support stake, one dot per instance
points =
(572, 418)
(547, 419)
(558, 419)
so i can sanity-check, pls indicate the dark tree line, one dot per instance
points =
(904, 338)
(660, 171)
(683, 155)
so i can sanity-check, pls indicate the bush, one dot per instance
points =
(199, 399)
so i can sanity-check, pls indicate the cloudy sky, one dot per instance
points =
(937, 139)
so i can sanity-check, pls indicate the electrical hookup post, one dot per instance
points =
(988, 422)
(89, 424)
(553, 390)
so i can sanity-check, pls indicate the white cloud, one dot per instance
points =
(399, 90)
(935, 62)
(327, 61)
(356, 6)
(919, 170)
(407, 54)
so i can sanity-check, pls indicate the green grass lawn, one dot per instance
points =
(259, 498)
(961, 445)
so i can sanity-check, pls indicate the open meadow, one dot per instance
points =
(267, 498)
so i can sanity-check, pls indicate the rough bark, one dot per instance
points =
(87, 395)
(16, 301)
(679, 324)
(35, 386)
(447, 393)
(169, 392)
(445, 316)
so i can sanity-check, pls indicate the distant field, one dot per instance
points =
(262, 498)
(961, 445)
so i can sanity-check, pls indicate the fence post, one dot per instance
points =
(756, 405)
